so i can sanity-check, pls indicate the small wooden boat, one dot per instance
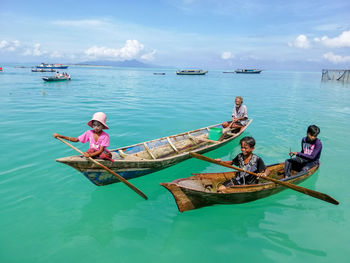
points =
(191, 72)
(202, 189)
(248, 71)
(158, 73)
(151, 156)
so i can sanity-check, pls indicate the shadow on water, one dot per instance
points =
(234, 228)
(98, 217)
(334, 84)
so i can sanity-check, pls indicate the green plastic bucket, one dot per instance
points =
(215, 133)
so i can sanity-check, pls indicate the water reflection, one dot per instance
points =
(264, 224)
(99, 217)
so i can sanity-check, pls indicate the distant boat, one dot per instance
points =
(158, 73)
(248, 71)
(228, 72)
(43, 70)
(57, 77)
(0, 68)
(191, 72)
(51, 66)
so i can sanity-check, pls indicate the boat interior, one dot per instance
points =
(169, 146)
(210, 182)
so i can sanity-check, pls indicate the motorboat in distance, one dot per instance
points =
(191, 72)
(51, 66)
(57, 77)
(248, 71)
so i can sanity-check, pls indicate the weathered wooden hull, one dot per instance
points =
(201, 190)
(148, 157)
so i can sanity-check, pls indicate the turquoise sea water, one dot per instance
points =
(52, 213)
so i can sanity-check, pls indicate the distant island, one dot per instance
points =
(126, 63)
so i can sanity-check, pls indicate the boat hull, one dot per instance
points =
(52, 67)
(192, 72)
(248, 71)
(135, 160)
(201, 190)
(53, 79)
(43, 70)
(201, 73)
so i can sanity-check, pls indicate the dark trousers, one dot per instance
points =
(297, 164)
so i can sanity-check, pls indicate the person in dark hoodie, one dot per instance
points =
(310, 154)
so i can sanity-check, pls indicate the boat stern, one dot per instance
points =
(182, 201)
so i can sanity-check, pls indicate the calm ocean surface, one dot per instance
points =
(52, 213)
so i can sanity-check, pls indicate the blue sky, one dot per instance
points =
(211, 34)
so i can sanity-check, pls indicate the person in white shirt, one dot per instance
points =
(239, 115)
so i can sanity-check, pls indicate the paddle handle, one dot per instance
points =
(107, 169)
(300, 189)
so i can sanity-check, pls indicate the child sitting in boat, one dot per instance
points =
(97, 138)
(310, 154)
(239, 115)
(248, 161)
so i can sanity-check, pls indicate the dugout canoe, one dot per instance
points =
(150, 156)
(200, 190)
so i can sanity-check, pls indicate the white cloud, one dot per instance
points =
(80, 23)
(9, 46)
(342, 40)
(55, 54)
(300, 42)
(3, 44)
(227, 55)
(149, 56)
(132, 49)
(36, 51)
(336, 58)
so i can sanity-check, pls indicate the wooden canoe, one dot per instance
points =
(201, 190)
(151, 156)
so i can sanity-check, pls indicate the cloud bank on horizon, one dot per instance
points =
(207, 33)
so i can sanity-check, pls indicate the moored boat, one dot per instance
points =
(43, 70)
(248, 71)
(150, 156)
(51, 66)
(191, 72)
(201, 190)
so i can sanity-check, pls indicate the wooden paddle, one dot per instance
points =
(109, 170)
(300, 189)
